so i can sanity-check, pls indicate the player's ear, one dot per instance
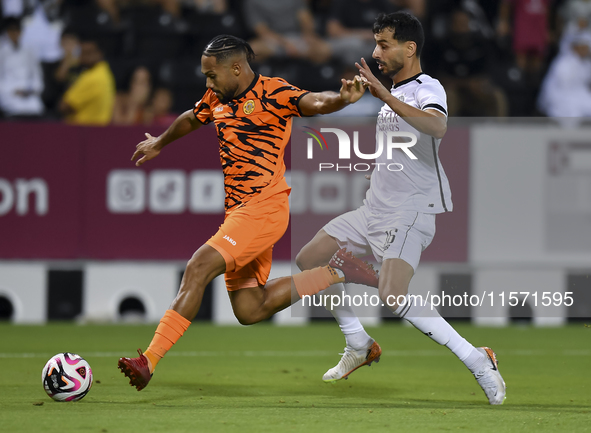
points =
(411, 48)
(236, 68)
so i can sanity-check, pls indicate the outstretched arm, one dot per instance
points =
(430, 122)
(329, 102)
(150, 148)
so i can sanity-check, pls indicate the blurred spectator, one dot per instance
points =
(42, 31)
(130, 106)
(21, 77)
(209, 6)
(111, 7)
(158, 113)
(566, 91)
(172, 7)
(527, 21)
(14, 8)
(90, 99)
(416, 7)
(284, 29)
(60, 75)
(137, 32)
(464, 59)
(71, 57)
(349, 28)
(574, 10)
(577, 15)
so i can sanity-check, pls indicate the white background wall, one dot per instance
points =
(508, 196)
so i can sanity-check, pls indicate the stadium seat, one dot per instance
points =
(184, 77)
(89, 20)
(112, 43)
(303, 74)
(204, 27)
(156, 34)
(122, 69)
(520, 94)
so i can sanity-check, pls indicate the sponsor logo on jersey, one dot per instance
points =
(229, 239)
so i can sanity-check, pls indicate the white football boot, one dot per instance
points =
(489, 378)
(352, 360)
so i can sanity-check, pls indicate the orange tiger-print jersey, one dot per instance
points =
(253, 131)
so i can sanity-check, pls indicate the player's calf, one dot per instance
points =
(343, 267)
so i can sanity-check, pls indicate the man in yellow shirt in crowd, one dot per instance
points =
(90, 99)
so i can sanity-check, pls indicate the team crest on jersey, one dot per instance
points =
(248, 106)
(401, 98)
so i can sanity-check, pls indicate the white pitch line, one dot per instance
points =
(303, 353)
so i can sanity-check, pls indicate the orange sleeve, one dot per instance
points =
(202, 110)
(287, 96)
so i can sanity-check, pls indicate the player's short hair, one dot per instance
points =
(224, 46)
(406, 27)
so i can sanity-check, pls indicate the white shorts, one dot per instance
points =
(396, 235)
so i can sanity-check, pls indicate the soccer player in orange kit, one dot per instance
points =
(253, 117)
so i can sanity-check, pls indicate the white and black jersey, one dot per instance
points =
(421, 185)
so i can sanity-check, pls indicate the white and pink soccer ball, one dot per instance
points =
(66, 377)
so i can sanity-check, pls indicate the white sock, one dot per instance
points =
(424, 317)
(467, 353)
(350, 325)
(358, 340)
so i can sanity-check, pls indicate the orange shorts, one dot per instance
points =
(246, 240)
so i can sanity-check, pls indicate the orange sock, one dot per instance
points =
(172, 327)
(315, 280)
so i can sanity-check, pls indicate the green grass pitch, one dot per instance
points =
(268, 379)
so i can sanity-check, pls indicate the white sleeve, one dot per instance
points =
(431, 96)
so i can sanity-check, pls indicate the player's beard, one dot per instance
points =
(392, 68)
(228, 94)
(224, 99)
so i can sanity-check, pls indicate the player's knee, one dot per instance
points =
(302, 260)
(197, 269)
(246, 319)
(195, 264)
(392, 296)
(306, 259)
(385, 297)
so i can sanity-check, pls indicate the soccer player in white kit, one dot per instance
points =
(397, 219)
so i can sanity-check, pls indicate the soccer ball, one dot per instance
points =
(66, 377)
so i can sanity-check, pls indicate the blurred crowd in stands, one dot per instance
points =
(129, 62)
